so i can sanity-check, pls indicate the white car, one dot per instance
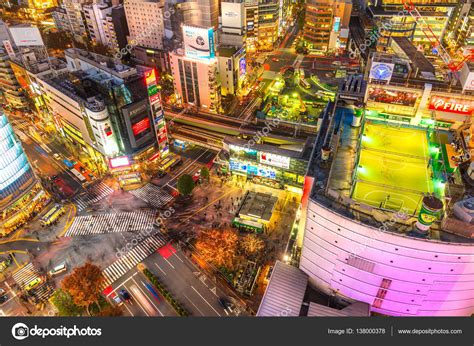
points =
(60, 268)
(56, 156)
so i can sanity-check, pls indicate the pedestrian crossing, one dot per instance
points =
(153, 195)
(112, 222)
(27, 274)
(131, 258)
(93, 195)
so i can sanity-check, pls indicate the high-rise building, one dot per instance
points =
(262, 22)
(391, 20)
(77, 25)
(21, 195)
(326, 25)
(101, 107)
(106, 24)
(196, 82)
(460, 31)
(9, 86)
(203, 13)
(145, 22)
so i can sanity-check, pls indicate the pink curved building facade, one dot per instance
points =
(397, 275)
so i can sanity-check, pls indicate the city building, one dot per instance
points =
(107, 25)
(61, 19)
(232, 69)
(326, 25)
(21, 195)
(388, 225)
(145, 23)
(282, 167)
(460, 32)
(203, 13)
(77, 25)
(268, 19)
(391, 20)
(101, 108)
(94, 15)
(11, 90)
(195, 70)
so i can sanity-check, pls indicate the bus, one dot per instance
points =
(78, 175)
(52, 215)
(305, 84)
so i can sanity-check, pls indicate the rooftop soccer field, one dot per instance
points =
(393, 170)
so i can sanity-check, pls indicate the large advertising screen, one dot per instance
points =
(198, 42)
(140, 126)
(393, 97)
(232, 15)
(26, 36)
(252, 169)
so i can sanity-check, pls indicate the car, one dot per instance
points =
(125, 295)
(197, 176)
(60, 268)
(226, 303)
(56, 156)
(337, 63)
(118, 300)
(2, 291)
(32, 284)
(275, 59)
(161, 174)
(3, 299)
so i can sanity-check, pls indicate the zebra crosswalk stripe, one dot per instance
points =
(112, 222)
(153, 195)
(93, 195)
(122, 265)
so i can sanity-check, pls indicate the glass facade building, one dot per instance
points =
(21, 195)
(16, 175)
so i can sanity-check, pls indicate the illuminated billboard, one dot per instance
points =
(393, 97)
(242, 67)
(451, 105)
(26, 36)
(157, 112)
(274, 160)
(118, 162)
(252, 169)
(381, 71)
(198, 42)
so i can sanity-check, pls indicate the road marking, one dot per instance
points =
(160, 268)
(195, 290)
(176, 255)
(122, 283)
(172, 266)
(202, 314)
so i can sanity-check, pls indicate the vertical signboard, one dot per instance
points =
(157, 113)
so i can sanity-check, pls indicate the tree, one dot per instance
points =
(84, 285)
(205, 173)
(62, 300)
(251, 244)
(218, 247)
(57, 40)
(185, 185)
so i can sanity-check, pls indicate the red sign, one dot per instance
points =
(150, 78)
(451, 105)
(141, 126)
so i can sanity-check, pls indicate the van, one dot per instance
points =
(60, 268)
